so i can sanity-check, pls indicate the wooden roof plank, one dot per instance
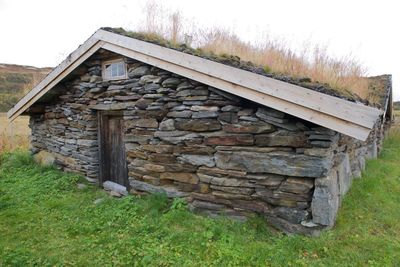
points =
(353, 112)
(82, 49)
(296, 110)
(54, 79)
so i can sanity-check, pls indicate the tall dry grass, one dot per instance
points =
(312, 60)
(14, 135)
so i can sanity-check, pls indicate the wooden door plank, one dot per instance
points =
(102, 140)
(113, 165)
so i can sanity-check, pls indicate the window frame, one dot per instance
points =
(110, 62)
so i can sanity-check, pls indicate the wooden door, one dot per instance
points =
(112, 149)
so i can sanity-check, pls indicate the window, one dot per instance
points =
(114, 70)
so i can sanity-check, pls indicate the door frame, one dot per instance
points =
(102, 119)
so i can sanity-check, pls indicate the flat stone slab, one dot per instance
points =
(145, 187)
(284, 163)
(114, 187)
(113, 106)
(326, 201)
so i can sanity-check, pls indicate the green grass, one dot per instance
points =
(46, 221)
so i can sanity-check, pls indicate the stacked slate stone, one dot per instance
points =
(224, 154)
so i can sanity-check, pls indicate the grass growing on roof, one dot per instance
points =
(45, 220)
(342, 76)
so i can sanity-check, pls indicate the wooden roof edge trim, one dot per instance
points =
(53, 80)
(15, 111)
(325, 120)
(355, 112)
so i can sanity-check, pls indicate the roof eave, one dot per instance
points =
(89, 47)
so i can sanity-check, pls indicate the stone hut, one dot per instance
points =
(228, 137)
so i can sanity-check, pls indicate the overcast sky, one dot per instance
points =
(43, 32)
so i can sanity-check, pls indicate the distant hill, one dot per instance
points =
(16, 81)
(396, 105)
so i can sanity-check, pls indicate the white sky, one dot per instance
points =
(43, 32)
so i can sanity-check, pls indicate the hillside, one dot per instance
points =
(396, 105)
(15, 81)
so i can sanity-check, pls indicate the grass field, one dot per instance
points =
(13, 135)
(45, 220)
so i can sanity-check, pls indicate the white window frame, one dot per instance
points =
(109, 62)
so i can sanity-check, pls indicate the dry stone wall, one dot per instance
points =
(225, 155)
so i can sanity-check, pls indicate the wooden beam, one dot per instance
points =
(35, 109)
(296, 110)
(346, 110)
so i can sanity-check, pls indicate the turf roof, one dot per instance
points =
(376, 89)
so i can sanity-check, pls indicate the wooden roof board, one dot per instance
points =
(340, 108)
(73, 60)
(347, 117)
(296, 110)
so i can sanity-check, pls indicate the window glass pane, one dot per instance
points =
(114, 71)
(108, 71)
(121, 69)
